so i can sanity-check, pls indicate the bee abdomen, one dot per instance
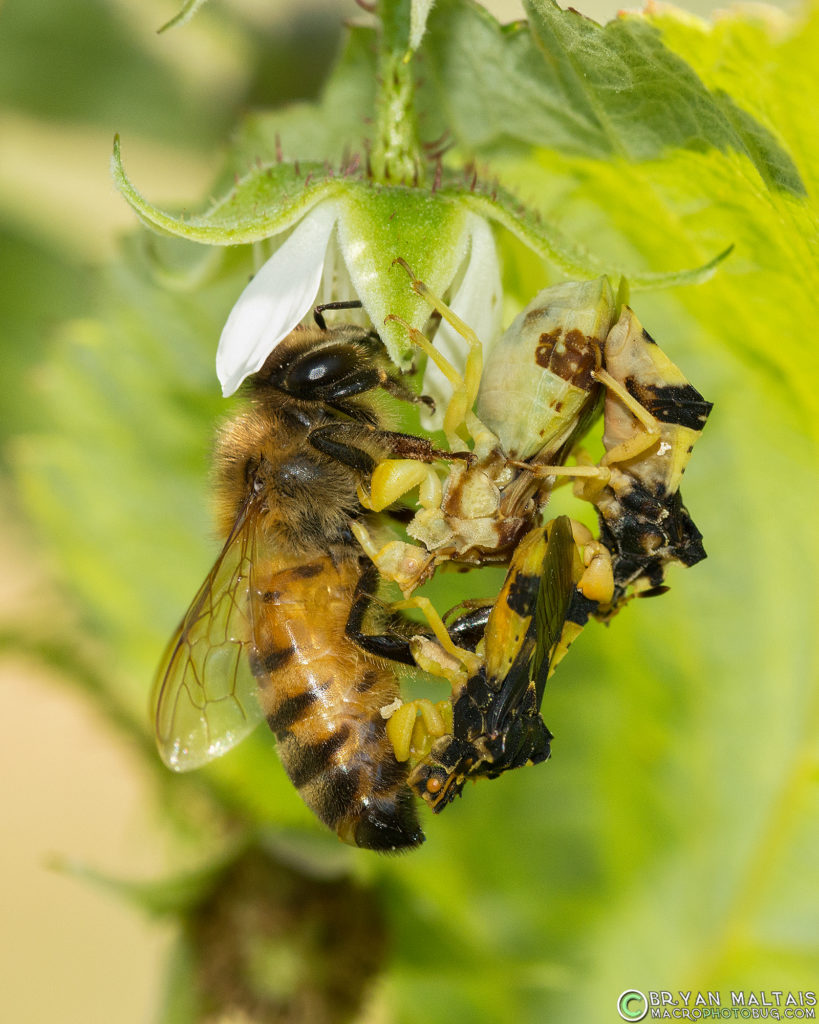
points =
(322, 697)
(352, 782)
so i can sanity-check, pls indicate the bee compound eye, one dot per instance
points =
(316, 370)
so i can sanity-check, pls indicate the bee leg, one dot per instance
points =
(318, 311)
(323, 440)
(393, 646)
(398, 389)
(413, 727)
(362, 381)
(468, 629)
(349, 443)
(408, 446)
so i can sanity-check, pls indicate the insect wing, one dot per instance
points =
(510, 631)
(204, 698)
(553, 599)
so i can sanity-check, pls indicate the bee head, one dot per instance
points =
(327, 367)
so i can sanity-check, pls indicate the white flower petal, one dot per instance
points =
(478, 303)
(276, 299)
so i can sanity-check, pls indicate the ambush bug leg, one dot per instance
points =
(640, 442)
(589, 478)
(597, 580)
(470, 661)
(432, 658)
(451, 421)
(422, 341)
(393, 478)
(595, 472)
(405, 564)
(414, 727)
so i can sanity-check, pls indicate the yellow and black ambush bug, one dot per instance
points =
(652, 418)
(648, 442)
(495, 724)
(565, 358)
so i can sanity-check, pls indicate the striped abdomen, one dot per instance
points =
(322, 697)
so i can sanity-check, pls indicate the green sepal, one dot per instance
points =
(379, 225)
(551, 244)
(265, 202)
(376, 226)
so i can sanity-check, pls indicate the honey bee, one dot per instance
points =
(274, 632)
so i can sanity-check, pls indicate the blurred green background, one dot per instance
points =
(672, 843)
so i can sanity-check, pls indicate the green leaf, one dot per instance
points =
(730, 57)
(584, 89)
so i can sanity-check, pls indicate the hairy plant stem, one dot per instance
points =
(396, 154)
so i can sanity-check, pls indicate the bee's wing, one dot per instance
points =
(553, 599)
(204, 698)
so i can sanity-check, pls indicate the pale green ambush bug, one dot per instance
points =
(543, 367)
(551, 366)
